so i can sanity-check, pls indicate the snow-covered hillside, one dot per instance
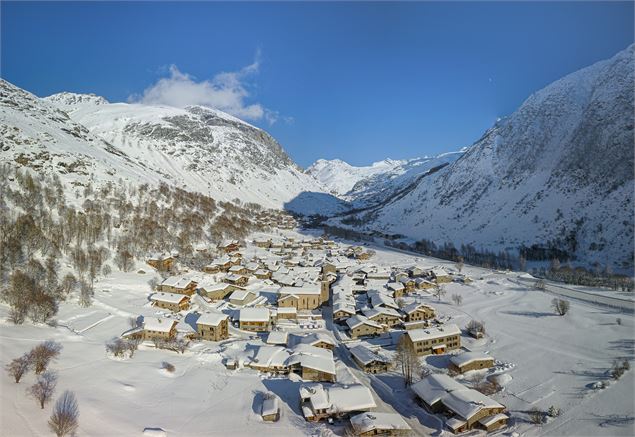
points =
(559, 170)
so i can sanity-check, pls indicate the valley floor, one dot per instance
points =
(549, 360)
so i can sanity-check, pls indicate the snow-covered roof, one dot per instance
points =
(312, 357)
(158, 324)
(358, 320)
(317, 337)
(356, 397)
(287, 310)
(489, 420)
(434, 387)
(211, 319)
(177, 281)
(409, 309)
(269, 406)
(254, 314)
(365, 422)
(216, 287)
(467, 402)
(468, 357)
(343, 306)
(377, 311)
(235, 277)
(309, 289)
(277, 337)
(365, 355)
(168, 297)
(270, 356)
(436, 332)
(396, 286)
(378, 299)
(240, 294)
(463, 401)
(439, 271)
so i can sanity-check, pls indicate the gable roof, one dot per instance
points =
(168, 297)
(366, 356)
(158, 324)
(357, 320)
(211, 319)
(365, 422)
(257, 314)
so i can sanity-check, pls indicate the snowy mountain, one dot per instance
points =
(196, 148)
(85, 137)
(340, 177)
(370, 185)
(558, 172)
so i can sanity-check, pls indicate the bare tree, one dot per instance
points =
(438, 291)
(106, 270)
(68, 284)
(44, 388)
(86, 293)
(116, 346)
(407, 360)
(457, 299)
(153, 283)
(18, 367)
(522, 263)
(561, 306)
(460, 264)
(65, 417)
(42, 354)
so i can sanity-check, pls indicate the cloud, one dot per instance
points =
(226, 91)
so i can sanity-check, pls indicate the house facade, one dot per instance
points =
(171, 301)
(213, 326)
(436, 340)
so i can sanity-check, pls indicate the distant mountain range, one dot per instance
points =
(558, 172)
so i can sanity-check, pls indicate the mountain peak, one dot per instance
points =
(73, 99)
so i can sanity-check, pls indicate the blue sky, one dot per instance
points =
(355, 81)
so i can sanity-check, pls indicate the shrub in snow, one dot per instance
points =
(476, 328)
(553, 411)
(177, 345)
(43, 389)
(457, 299)
(65, 417)
(619, 368)
(561, 306)
(536, 416)
(18, 367)
(167, 366)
